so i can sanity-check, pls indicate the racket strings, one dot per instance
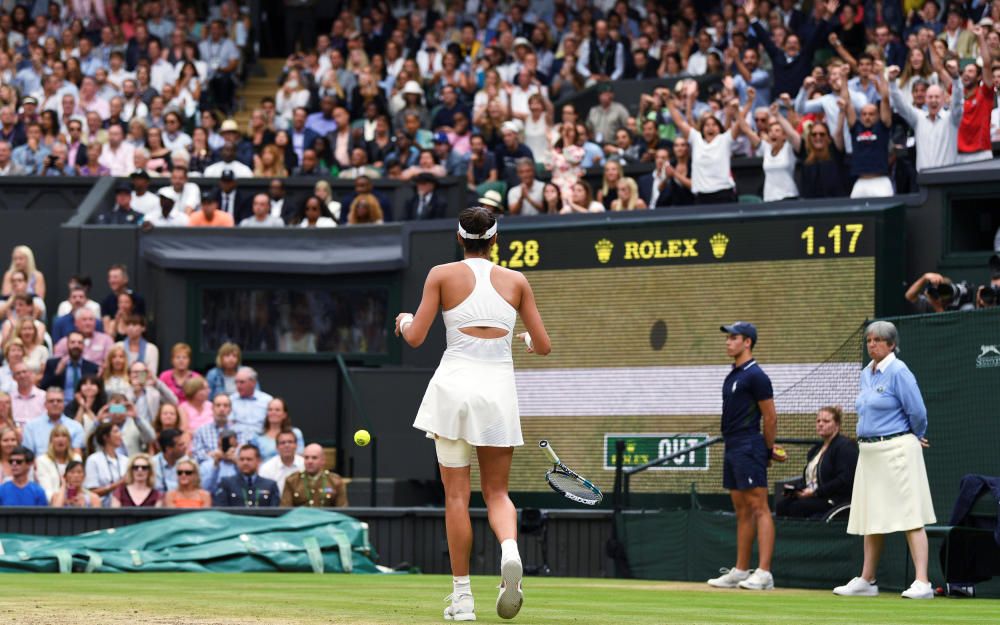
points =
(576, 487)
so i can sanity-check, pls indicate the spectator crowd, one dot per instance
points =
(837, 97)
(88, 419)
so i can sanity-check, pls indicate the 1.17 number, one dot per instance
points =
(836, 238)
(522, 254)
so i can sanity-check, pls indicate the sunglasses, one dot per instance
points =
(18, 461)
(185, 472)
(140, 467)
(818, 134)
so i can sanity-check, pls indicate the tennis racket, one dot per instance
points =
(567, 483)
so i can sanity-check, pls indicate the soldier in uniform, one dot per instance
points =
(315, 487)
(247, 489)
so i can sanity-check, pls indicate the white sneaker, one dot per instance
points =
(758, 580)
(919, 590)
(511, 596)
(462, 608)
(730, 578)
(857, 587)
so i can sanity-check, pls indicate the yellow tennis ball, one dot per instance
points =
(362, 438)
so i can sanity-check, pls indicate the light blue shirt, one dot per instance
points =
(269, 447)
(890, 401)
(166, 475)
(249, 413)
(211, 474)
(759, 80)
(36, 433)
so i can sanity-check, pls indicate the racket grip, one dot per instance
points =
(544, 444)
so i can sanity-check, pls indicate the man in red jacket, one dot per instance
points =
(974, 131)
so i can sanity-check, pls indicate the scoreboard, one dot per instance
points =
(634, 306)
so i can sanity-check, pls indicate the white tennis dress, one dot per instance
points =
(472, 396)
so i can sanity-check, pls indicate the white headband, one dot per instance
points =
(486, 235)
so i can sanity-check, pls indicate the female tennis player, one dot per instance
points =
(471, 402)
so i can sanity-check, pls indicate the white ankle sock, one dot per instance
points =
(461, 585)
(508, 550)
(737, 571)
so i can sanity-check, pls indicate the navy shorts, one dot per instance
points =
(744, 463)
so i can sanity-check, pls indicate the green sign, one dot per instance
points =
(641, 448)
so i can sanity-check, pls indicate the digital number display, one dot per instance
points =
(633, 308)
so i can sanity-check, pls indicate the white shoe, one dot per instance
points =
(462, 608)
(919, 590)
(857, 587)
(758, 580)
(511, 596)
(730, 578)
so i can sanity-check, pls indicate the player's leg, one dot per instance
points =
(494, 468)
(751, 476)
(454, 458)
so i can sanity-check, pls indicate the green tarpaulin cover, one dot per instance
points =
(301, 540)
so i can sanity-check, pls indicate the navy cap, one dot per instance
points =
(743, 328)
(441, 138)
(123, 187)
(209, 196)
(228, 175)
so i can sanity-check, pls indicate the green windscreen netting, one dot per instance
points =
(301, 540)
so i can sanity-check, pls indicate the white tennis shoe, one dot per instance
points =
(462, 608)
(511, 596)
(919, 590)
(857, 587)
(730, 578)
(758, 580)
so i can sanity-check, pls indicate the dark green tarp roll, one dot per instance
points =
(301, 540)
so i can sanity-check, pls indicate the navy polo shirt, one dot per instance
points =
(744, 387)
(871, 149)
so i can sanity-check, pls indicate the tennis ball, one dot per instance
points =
(779, 454)
(362, 438)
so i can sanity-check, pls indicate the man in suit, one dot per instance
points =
(247, 489)
(894, 53)
(234, 201)
(66, 371)
(959, 40)
(427, 203)
(654, 187)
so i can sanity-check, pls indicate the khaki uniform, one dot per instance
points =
(326, 490)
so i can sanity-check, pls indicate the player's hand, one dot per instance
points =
(524, 336)
(399, 318)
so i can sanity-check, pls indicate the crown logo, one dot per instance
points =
(604, 248)
(630, 447)
(719, 243)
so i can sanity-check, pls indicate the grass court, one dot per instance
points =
(285, 598)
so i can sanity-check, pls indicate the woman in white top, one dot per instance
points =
(23, 259)
(51, 466)
(537, 127)
(779, 158)
(492, 90)
(292, 95)
(471, 402)
(106, 468)
(711, 148)
(324, 192)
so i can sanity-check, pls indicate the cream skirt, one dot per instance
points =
(474, 401)
(891, 493)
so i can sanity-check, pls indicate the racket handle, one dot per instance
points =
(544, 444)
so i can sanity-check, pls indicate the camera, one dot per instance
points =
(50, 160)
(989, 294)
(954, 295)
(116, 409)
